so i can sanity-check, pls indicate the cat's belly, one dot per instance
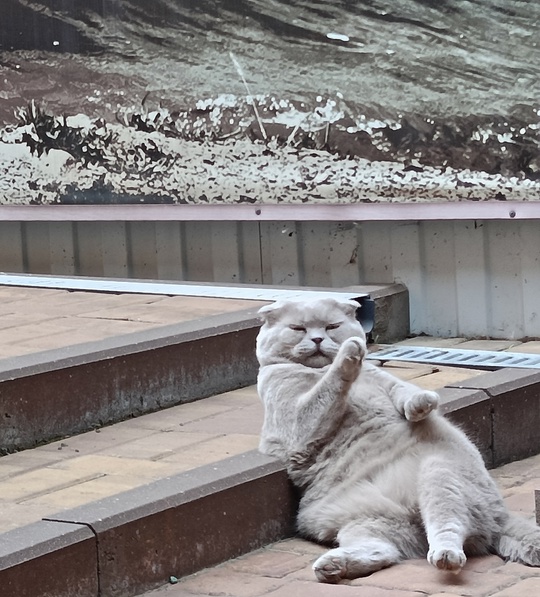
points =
(386, 459)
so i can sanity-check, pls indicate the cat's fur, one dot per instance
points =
(383, 476)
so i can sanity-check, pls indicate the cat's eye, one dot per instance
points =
(298, 328)
(332, 326)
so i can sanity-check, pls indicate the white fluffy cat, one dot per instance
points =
(383, 476)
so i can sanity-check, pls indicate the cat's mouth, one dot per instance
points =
(318, 358)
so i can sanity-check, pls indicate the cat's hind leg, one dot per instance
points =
(445, 512)
(368, 545)
(519, 541)
(358, 558)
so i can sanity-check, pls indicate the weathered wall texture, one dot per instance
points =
(465, 278)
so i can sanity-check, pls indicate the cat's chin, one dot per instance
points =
(317, 361)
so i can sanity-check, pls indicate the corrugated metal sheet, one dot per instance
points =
(465, 278)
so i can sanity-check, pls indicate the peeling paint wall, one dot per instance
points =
(465, 278)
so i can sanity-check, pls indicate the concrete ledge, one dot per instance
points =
(184, 523)
(514, 399)
(48, 559)
(471, 411)
(392, 319)
(58, 393)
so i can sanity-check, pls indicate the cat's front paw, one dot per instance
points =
(420, 404)
(349, 358)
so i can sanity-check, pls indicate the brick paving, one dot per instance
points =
(77, 470)
(37, 319)
(284, 569)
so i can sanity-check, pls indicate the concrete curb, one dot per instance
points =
(46, 395)
(513, 396)
(57, 393)
(127, 544)
(46, 559)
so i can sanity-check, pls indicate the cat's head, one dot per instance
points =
(306, 332)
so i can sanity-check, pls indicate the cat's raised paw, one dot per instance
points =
(350, 356)
(418, 407)
(448, 559)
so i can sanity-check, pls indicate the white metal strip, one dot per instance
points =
(168, 288)
(357, 212)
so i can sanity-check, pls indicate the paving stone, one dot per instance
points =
(84, 492)
(175, 309)
(313, 589)
(519, 471)
(432, 342)
(75, 336)
(496, 345)
(426, 579)
(42, 481)
(532, 347)
(521, 499)
(528, 587)
(221, 582)
(299, 546)
(241, 397)
(99, 464)
(175, 417)
(29, 460)
(246, 420)
(518, 570)
(444, 377)
(272, 563)
(485, 564)
(409, 371)
(13, 320)
(212, 450)
(94, 441)
(19, 515)
(158, 445)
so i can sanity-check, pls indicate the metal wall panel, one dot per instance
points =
(465, 278)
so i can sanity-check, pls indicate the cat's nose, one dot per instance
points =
(317, 340)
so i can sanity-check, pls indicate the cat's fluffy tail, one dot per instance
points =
(520, 541)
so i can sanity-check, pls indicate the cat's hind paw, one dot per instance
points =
(420, 404)
(329, 570)
(448, 559)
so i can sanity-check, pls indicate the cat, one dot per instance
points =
(383, 476)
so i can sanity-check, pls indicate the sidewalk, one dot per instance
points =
(284, 568)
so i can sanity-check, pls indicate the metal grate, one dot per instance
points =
(477, 359)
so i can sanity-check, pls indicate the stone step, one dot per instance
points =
(96, 371)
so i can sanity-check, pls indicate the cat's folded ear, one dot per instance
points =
(270, 313)
(349, 307)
